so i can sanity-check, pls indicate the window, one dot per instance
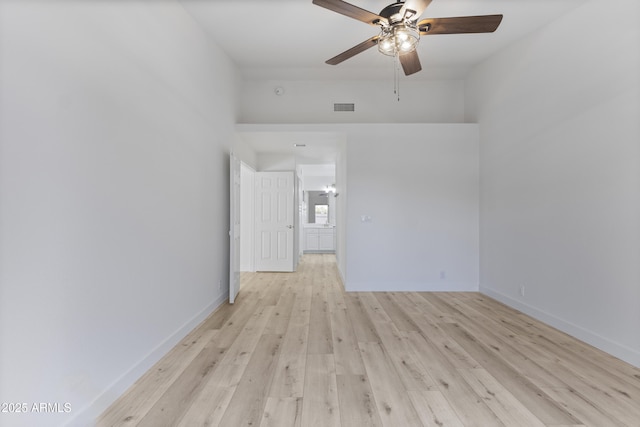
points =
(322, 214)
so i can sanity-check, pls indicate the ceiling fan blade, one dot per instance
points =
(351, 11)
(460, 25)
(410, 63)
(353, 51)
(418, 6)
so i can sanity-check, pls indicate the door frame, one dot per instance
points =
(234, 226)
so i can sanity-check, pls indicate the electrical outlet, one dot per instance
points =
(521, 291)
(443, 275)
(219, 285)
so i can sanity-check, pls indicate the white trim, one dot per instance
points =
(87, 415)
(615, 349)
(342, 278)
(247, 218)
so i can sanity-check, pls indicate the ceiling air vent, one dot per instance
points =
(344, 107)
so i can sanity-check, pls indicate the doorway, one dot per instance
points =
(275, 151)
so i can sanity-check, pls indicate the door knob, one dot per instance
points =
(289, 226)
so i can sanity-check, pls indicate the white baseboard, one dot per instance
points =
(620, 351)
(341, 275)
(87, 415)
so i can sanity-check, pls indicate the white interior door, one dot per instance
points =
(234, 228)
(274, 221)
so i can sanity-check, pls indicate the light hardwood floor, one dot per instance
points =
(296, 350)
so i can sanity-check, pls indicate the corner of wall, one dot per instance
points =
(618, 350)
(87, 415)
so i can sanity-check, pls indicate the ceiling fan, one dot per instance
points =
(400, 30)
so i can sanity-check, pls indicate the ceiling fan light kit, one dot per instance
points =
(398, 39)
(400, 30)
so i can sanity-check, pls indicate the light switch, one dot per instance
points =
(365, 218)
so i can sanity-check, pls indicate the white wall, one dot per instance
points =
(421, 192)
(274, 162)
(318, 182)
(116, 123)
(244, 152)
(560, 174)
(342, 189)
(311, 101)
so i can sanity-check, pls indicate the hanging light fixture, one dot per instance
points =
(331, 189)
(399, 39)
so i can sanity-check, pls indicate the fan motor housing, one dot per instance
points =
(392, 13)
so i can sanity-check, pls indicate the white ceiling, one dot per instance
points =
(291, 39)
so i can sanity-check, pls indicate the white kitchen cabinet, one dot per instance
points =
(311, 239)
(326, 239)
(319, 239)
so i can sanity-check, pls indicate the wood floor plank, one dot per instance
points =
(320, 403)
(392, 401)
(208, 408)
(279, 321)
(357, 405)
(345, 345)
(439, 300)
(247, 404)
(373, 308)
(336, 296)
(445, 344)
(130, 408)
(620, 395)
(295, 349)
(583, 408)
(555, 343)
(363, 326)
(508, 409)
(282, 412)
(212, 400)
(469, 407)
(434, 410)
(531, 395)
(431, 311)
(242, 348)
(289, 375)
(510, 347)
(288, 379)
(234, 324)
(302, 304)
(400, 318)
(411, 373)
(169, 408)
(320, 336)
(269, 292)
(407, 303)
(543, 341)
(620, 407)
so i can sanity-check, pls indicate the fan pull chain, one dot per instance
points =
(396, 76)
